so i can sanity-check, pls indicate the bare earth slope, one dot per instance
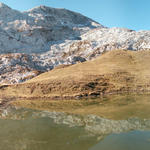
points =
(114, 72)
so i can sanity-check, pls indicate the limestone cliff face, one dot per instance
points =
(36, 30)
(47, 37)
(25, 35)
(99, 40)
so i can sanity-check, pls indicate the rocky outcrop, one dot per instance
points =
(100, 40)
(34, 31)
(16, 68)
(23, 35)
(50, 37)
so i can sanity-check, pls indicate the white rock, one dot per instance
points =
(44, 37)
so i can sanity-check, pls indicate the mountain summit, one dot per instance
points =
(36, 30)
(42, 38)
(4, 6)
(25, 35)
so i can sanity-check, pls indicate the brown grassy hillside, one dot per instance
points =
(114, 72)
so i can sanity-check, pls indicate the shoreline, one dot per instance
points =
(112, 107)
(93, 124)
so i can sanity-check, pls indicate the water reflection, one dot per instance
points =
(42, 134)
(135, 140)
(26, 129)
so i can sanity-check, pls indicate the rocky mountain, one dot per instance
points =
(100, 40)
(25, 36)
(39, 39)
(34, 31)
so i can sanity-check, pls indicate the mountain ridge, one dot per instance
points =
(42, 38)
(34, 32)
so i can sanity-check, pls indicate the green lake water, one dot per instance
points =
(25, 129)
(43, 134)
(134, 140)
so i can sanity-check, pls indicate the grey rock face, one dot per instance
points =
(25, 35)
(34, 31)
(100, 40)
(49, 37)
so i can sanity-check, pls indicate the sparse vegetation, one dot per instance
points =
(114, 72)
(117, 71)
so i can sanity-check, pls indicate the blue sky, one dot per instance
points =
(133, 14)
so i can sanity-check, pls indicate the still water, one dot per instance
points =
(42, 134)
(134, 140)
(21, 131)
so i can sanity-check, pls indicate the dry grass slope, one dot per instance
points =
(116, 71)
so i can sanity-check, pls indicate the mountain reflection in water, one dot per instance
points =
(42, 134)
(26, 129)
